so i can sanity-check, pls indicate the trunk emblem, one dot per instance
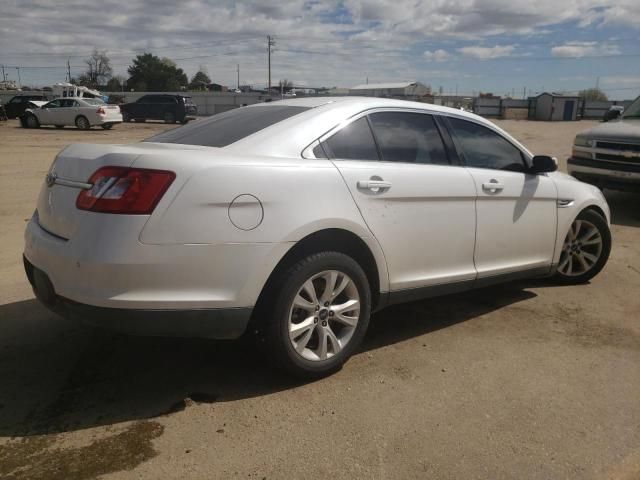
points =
(51, 179)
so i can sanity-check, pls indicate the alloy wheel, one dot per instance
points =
(581, 250)
(324, 315)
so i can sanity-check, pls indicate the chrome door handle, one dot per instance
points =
(374, 185)
(493, 186)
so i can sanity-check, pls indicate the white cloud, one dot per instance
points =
(487, 53)
(328, 42)
(584, 49)
(437, 55)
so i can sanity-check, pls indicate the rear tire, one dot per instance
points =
(107, 126)
(318, 314)
(585, 250)
(169, 117)
(82, 123)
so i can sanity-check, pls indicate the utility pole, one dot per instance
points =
(270, 43)
(524, 93)
(19, 79)
(68, 71)
(4, 75)
(238, 84)
(597, 83)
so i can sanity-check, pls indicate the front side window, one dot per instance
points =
(408, 137)
(53, 104)
(484, 148)
(353, 142)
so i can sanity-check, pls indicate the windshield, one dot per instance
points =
(229, 127)
(633, 111)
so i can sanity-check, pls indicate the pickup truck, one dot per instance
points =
(608, 155)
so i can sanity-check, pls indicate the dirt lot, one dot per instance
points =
(527, 380)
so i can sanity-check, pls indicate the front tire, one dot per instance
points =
(319, 314)
(107, 126)
(585, 250)
(32, 121)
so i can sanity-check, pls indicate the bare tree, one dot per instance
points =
(98, 69)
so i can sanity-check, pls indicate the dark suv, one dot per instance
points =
(18, 104)
(170, 108)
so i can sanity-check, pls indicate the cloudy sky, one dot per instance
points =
(502, 46)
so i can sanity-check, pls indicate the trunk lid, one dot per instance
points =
(68, 175)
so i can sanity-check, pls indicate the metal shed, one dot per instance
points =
(553, 107)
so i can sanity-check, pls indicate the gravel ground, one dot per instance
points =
(526, 380)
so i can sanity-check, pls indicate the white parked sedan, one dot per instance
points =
(294, 220)
(84, 113)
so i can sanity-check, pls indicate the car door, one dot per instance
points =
(46, 114)
(141, 107)
(419, 207)
(66, 114)
(516, 210)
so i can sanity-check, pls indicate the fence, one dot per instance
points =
(508, 107)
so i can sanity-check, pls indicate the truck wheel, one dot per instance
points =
(169, 117)
(318, 315)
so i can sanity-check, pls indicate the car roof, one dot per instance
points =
(289, 137)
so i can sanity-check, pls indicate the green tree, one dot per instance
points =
(593, 94)
(151, 73)
(200, 76)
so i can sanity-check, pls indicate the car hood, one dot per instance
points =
(621, 130)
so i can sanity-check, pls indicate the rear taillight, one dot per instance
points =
(133, 191)
(101, 111)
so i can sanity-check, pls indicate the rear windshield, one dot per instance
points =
(228, 127)
(187, 100)
(93, 101)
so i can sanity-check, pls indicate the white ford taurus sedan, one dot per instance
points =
(296, 219)
(84, 113)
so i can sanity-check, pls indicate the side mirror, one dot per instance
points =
(543, 164)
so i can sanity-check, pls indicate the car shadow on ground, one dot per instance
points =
(625, 208)
(59, 376)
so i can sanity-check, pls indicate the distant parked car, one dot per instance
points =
(170, 108)
(84, 113)
(16, 106)
(614, 112)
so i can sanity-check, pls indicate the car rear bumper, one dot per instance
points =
(105, 269)
(618, 176)
(218, 323)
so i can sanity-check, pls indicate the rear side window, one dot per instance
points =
(484, 148)
(353, 142)
(408, 137)
(228, 127)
